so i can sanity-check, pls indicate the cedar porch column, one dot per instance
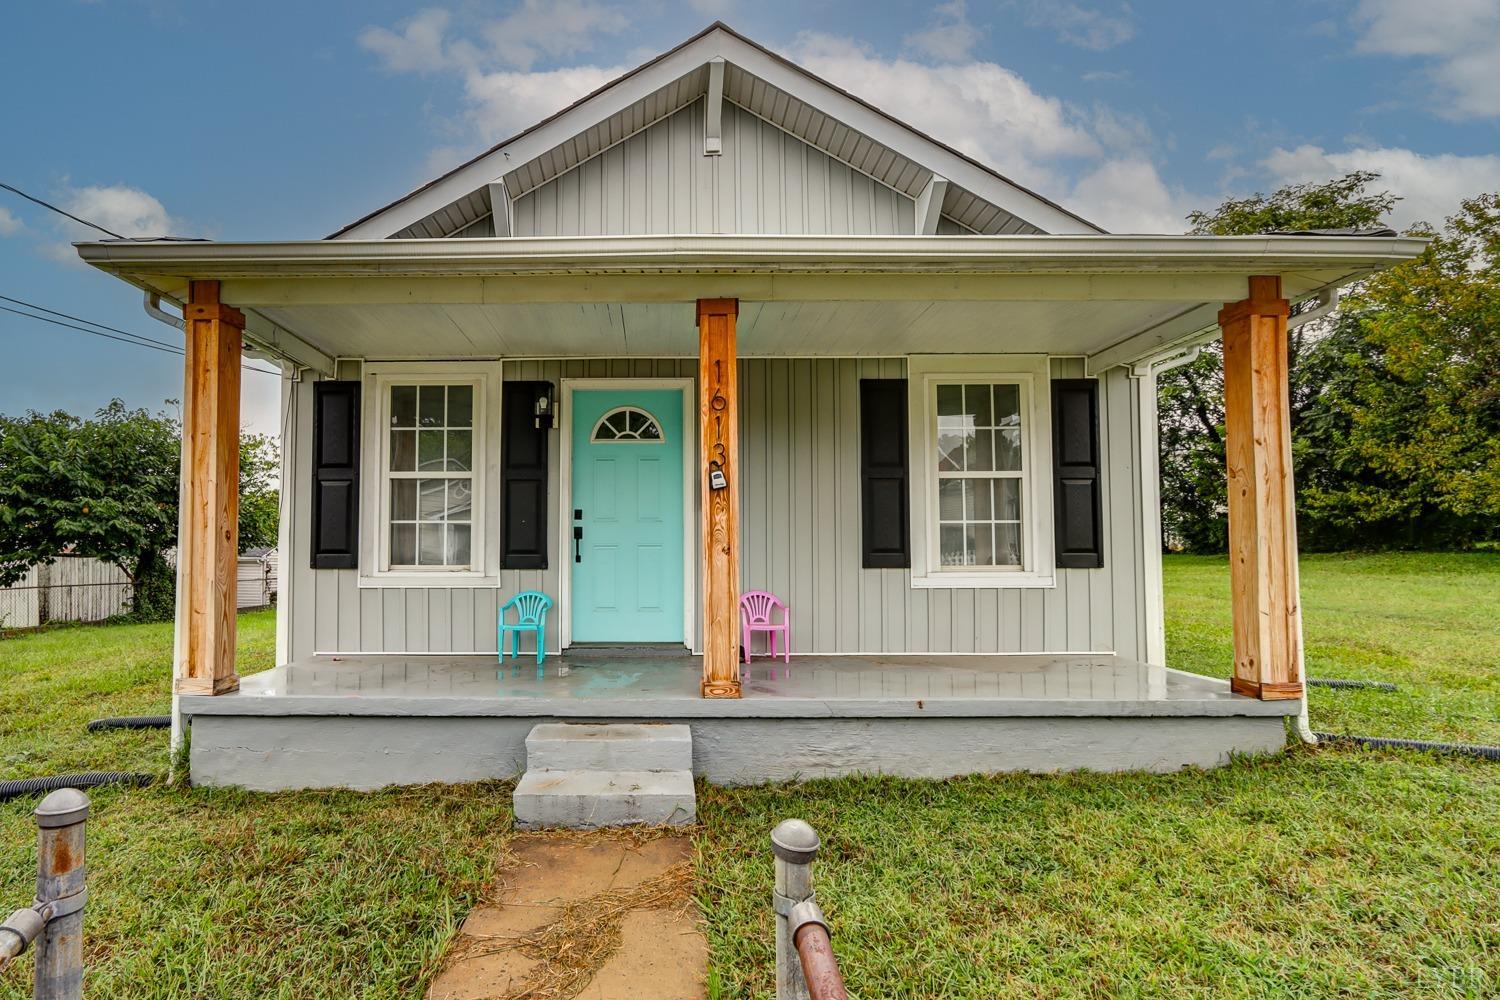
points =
(1262, 518)
(718, 417)
(208, 548)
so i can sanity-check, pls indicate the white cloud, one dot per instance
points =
(9, 224)
(949, 37)
(713, 8)
(119, 208)
(504, 102)
(981, 108)
(1460, 40)
(1085, 27)
(554, 28)
(533, 30)
(417, 48)
(122, 209)
(1430, 187)
(1129, 196)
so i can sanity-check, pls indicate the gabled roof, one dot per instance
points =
(765, 84)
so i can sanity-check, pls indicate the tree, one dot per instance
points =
(1191, 401)
(1409, 424)
(108, 488)
(260, 500)
(105, 488)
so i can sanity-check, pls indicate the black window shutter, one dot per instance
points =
(884, 472)
(523, 478)
(335, 479)
(1075, 468)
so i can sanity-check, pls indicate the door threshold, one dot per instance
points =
(615, 650)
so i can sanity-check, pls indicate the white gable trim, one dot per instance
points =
(718, 42)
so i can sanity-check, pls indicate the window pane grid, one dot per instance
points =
(430, 468)
(979, 474)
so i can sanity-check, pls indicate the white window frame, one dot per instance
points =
(375, 478)
(1032, 372)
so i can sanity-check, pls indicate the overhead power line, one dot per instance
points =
(80, 319)
(130, 338)
(48, 205)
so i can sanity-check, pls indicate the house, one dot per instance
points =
(255, 578)
(721, 326)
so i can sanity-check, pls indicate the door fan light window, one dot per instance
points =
(430, 470)
(628, 424)
(981, 470)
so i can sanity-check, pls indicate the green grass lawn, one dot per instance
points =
(1310, 874)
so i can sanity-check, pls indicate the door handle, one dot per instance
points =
(577, 543)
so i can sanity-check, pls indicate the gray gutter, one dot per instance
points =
(878, 254)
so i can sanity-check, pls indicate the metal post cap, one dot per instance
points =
(64, 807)
(795, 841)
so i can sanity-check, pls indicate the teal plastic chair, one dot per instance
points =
(531, 616)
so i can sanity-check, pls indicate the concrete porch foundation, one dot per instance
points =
(370, 721)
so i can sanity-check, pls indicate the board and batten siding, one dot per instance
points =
(800, 493)
(658, 181)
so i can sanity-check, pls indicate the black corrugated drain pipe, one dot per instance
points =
(131, 722)
(1382, 743)
(88, 779)
(1329, 682)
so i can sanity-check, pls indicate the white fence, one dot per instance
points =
(70, 589)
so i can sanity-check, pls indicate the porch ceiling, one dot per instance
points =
(1112, 298)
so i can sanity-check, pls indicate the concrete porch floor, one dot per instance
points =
(372, 720)
(632, 685)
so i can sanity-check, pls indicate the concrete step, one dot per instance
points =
(560, 746)
(591, 799)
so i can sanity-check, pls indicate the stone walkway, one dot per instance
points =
(602, 916)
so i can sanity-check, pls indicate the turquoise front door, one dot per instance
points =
(627, 576)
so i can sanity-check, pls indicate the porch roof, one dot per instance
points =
(1115, 299)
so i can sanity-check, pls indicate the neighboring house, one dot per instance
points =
(927, 393)
(255, 578)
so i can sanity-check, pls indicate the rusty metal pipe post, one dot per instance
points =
(795, 845)
(60, 894)
(820, 969)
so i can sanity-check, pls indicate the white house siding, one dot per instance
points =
(800, 536)
(658, 181)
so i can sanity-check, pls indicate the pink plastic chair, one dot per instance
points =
(756, 608)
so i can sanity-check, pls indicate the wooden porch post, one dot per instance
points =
(207, 550)
(718, 415)
(1262, 517)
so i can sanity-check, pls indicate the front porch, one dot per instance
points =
(369, 721)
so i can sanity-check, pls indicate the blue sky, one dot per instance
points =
(271, 120)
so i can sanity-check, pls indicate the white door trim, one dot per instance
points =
(691, 488)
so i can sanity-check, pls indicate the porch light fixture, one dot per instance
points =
(542, 408)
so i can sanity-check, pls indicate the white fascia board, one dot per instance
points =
(1031, 254)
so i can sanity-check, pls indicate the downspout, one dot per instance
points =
(153, 307)
(1328, 301)
(1150, 465)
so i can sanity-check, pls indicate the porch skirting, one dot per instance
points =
(373, 722)
(370, 752)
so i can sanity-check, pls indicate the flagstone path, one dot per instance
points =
(601, 916)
